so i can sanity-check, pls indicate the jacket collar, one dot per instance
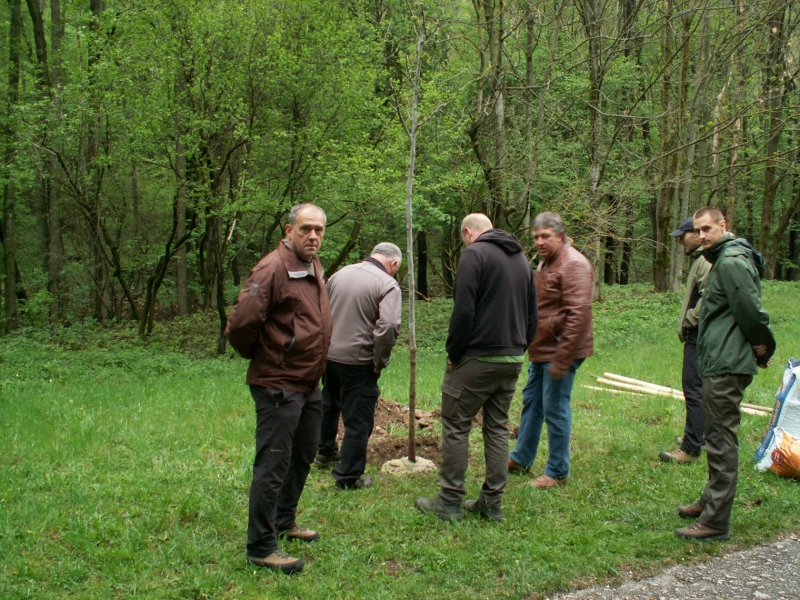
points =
(712, 254)
(377, 263)
(294, 266)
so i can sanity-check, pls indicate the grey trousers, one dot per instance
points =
(470, 386)
(721, 399)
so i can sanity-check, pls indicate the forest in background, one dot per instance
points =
(152, 148)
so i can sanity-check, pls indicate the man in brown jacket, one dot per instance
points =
(282, 323)
(564, 284)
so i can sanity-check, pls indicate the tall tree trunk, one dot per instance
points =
(773, 76)
(666, 194)
(55, 255)
(591, 15)
(491, 98)
(10, 153)
(181, 272)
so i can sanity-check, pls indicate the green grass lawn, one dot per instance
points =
(126, 466)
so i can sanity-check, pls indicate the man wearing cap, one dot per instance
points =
(692, 440)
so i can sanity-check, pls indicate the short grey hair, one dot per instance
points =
(549, 220)
(388, 250)
(295, 210)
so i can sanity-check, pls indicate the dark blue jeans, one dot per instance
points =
(693, 394)
(546, 400)
(287, 434)
(352, 392)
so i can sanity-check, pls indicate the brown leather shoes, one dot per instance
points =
(299, 533)
(545, 481)
(702, 533)
(278, 561)
(517, 469)
(690, 511)
(678, 456)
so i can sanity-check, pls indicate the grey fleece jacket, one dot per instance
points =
(366, 306)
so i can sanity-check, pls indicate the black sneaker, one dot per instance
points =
(325, 461)
(487, 512)
(361, 483)
(444, 510)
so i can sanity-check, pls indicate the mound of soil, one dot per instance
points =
(385, 445)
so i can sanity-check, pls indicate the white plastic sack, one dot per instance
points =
(785, 415)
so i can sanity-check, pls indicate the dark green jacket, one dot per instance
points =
(731, 318)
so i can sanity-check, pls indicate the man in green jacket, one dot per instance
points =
(692, 439)
(734, 339)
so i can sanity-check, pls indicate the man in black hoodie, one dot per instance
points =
(493, 322)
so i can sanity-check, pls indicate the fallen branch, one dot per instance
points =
(660, 390)
(639, 388)
(640, 383)
(610, 391)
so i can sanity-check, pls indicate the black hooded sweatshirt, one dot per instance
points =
(494, 299)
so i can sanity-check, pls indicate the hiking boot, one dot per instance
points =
(361, 483)
(517, 469)
(703, 533)
(678, 456)
(278, 561)
(545, 481)
(690, 511)
(325, 461)
(479, 506)
(299, 533)
(679, 441)
(444, 510)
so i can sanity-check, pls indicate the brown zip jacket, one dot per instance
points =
(564, 285)
(282, 323)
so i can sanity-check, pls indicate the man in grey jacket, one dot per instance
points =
(692, 440)
(366, 305)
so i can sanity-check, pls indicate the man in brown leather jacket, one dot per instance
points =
(564, 285)
(282, 323)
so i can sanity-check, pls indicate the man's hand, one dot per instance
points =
(557, 372)
(760, 350)
(450, 365)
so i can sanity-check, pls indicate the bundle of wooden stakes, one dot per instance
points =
(627, 385)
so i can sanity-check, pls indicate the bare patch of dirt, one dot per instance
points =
(385, 445)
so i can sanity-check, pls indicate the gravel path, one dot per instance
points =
(765, 573)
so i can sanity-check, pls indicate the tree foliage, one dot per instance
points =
(153, 149)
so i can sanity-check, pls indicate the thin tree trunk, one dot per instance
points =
(422, 263)
(411, 132)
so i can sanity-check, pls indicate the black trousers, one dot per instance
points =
(693, 393)
(352, 392)
(287, 434)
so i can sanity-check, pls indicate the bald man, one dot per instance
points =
(494, 320)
